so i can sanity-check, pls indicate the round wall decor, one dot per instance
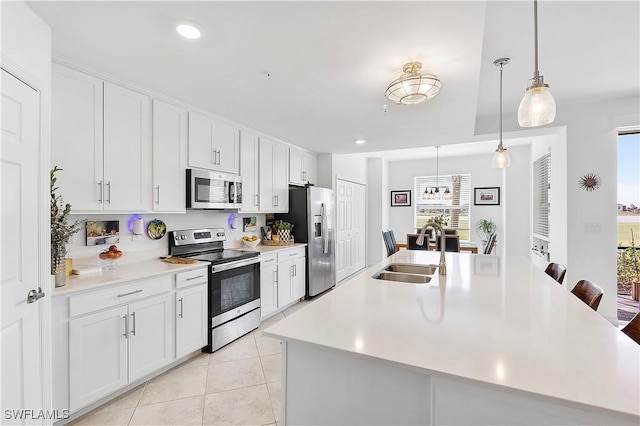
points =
(589, 182)
(156, 229)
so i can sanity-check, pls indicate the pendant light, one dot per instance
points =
(538, 107)
(501, 158)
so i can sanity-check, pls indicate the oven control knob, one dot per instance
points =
(176, 237)
(183, 237)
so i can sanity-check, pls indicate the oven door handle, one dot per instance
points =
(233, 265)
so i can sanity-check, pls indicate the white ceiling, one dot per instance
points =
(331, 61)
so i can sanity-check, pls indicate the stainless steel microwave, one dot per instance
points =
(207, 189)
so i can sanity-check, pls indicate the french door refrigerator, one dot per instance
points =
(311, 211)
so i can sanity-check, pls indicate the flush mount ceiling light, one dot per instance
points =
(501, 158)
(538, 107)
(189, 29)
(412, 87)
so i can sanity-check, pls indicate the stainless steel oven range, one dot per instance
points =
(234, 283)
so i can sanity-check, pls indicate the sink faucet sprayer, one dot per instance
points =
(442, 266)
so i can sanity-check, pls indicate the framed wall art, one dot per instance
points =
(401, 198)
(486, 196)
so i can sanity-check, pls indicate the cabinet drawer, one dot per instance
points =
(193, 277)
(268, 259)
(291, 254)
(101, 299)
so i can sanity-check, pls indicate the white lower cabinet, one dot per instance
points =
(109, 349)
(282, 279)
(121, 334)
(191, 319)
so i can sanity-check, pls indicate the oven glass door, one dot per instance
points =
(233, 288)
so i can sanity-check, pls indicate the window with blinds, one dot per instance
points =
(541, 195)
(452, 200)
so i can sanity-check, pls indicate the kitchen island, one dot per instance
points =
(495, 341)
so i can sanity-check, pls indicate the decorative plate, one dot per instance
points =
(156, 229)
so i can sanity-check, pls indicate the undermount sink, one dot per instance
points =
(412, 268)
(406, 273)
(403, 277)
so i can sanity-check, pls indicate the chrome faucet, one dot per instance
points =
(442, 266)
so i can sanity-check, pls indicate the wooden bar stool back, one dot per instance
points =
(633, 329)
(589, 293)
(556, 271)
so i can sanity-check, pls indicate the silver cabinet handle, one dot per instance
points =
(195, 278)
(109, 192)
(275, 276)
(256, 202)
(158, 199)
(126, 327)
(34, 295)
(277, 201)
(213, 156)
(130, 293)
(219, 157)
(295, 270)
(100, 193)
(181, 314)
(133, 328)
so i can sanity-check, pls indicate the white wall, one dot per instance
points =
(402, 173)
(351, 167)
(377, 213)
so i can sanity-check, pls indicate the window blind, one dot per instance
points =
(455, 208)
(541, 195)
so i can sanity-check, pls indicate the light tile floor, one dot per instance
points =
(236, 385)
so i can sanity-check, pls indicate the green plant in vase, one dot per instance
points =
(61, 230)
(282, 230)
(486, 227)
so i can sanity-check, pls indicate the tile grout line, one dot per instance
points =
(273, 413)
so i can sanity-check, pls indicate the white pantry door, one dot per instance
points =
(20, 327)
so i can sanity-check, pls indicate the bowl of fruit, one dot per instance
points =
(110, 255)
(250, 242)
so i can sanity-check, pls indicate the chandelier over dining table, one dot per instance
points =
(433, 193)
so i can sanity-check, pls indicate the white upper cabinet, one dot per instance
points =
(213, 144)
(76, 135)
(127, 150)
(169, 158)
(249, 152)
(274, 188)
(100, 138)
(302, 167)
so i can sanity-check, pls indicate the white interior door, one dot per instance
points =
(20, 328)
(350, 224)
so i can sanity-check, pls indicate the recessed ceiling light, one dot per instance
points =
(189, 29)
(360, 141)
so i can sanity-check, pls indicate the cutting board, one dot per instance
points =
(181, 260)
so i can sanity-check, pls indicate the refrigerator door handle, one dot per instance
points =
(325, 239)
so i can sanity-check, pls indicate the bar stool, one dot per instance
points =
(589, 293)
(556, 271)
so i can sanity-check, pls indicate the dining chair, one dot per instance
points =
(589, 293)
(413, 245)
(386, 237)
(632, 329)
(451, 242)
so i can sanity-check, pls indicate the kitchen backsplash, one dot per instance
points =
(136, 247)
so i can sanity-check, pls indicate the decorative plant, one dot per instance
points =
(486, 226)
(61, 230)
(442, 220)
(280, 225)
(628, 266)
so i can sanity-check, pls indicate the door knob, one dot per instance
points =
(34, 295)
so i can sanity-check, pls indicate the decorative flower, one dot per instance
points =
(61, 230)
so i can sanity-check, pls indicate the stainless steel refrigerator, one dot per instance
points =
(311, 212)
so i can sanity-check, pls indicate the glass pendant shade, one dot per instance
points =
(412, 87)
(537, 108)
(501, 159)
(447, 193)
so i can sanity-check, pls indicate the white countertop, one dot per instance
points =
(496, 321)
(122, 273)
